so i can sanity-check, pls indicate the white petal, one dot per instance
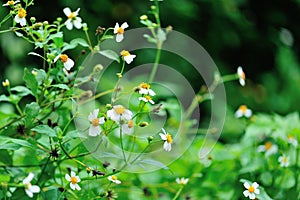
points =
(246, 185)
(119, 37)
(238, 113)
(67, 11)
(23, 21)
(78, 178)
(77, 23)
(178, 180)
(142, 99)
(167, 146)
(248, 113)
(34, 189)
(242, 82)
(17, 19)
(255, 185)
(124, 25)
(77, 11)
(69, 24)
(68, 178)
(251, 196)
(73, 186)
(256, 191)
(261, 148)
(101, 120)
(127, 115)
(116, 28)
(164, 131)
(73, 174)
(246, 193)
(28, 179)
(240, 71)
(163, 136)
(129, 58)
(117, 181)
(151, 92)
(94, 131)
(110, 178)
(126, 129)
(29, 193)
(69, 64)
(77, 187)
(151, 101)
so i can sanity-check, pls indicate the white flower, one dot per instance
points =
(95, 129)
(118, 113)
(11, 3)
(68, 62)
(30, 189)
(292, 140)
(243, 111)
(251, 190)
(127, 56)
(74, 180)
(120, 31)
(114, 179)
(5, 83)
(284, 161)
(20, 17)
(146, 99)
(182, 181)
(242, 76)
(268, 147)
(128, 127)
(144, 88)
(168, 140)
(73, 19)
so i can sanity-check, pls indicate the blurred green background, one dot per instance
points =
(259, 35)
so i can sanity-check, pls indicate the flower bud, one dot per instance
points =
(32, 19)
(143, 17)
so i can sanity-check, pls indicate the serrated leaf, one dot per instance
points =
(110, 54)
(30, 81)
(22, 91)
(45, 129)
(61, 86)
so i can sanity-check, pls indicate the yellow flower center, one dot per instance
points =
(11, 3)
(145, 86)
(268, 145)
(74, 180)
(125, 53)
(284, 159)
(95, 122)
(251, 189)
(120, 110)
(72, 15)
(148, 97)
(120, 30)
(290, 137)
(130, 123)
(22, 13)
(63, 58)
(113, 177)
(28, 185)
(243, 108)
(169, 138)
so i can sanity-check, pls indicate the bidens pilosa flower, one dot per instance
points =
(119, 30)
(251, 190)
(127, 56)
(144, 88)
(119, 113)
(243, 111)
(114, 178)
(269, 148)
(168, 140)
(67, 62)
(20, 17)
(146, 99)
(73, 18)
(5, 83)
(30, 189)
(292, 140)
(284, 161)
(95, 129)
(182, 181)
(74, 180)
(11, 3)
(241, 75)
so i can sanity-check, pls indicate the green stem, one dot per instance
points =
(88, 39)
(4, 20)
(297, 167)
(122, 146)
(229, 77)
(156, 14)
(155, 66)
(178, 193)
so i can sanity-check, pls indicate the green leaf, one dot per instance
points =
(31, 111)
(266, 178)
(286, 180)
(30, 81)
(41, 76)
(4, 98)
(150, 39)
(80, 41)
(13, 144)
(110, 54)
(4, 178)
(45, 129)
(56, 35)
(5, 158)
(22, 91)
(61, 86)
(36, 54)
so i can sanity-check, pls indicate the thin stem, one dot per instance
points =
(156, 14)
(297, 167)
(88, 39)
(11, 122)
(178, 193)
(4, 20)
(155, 66)
(122, 146)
